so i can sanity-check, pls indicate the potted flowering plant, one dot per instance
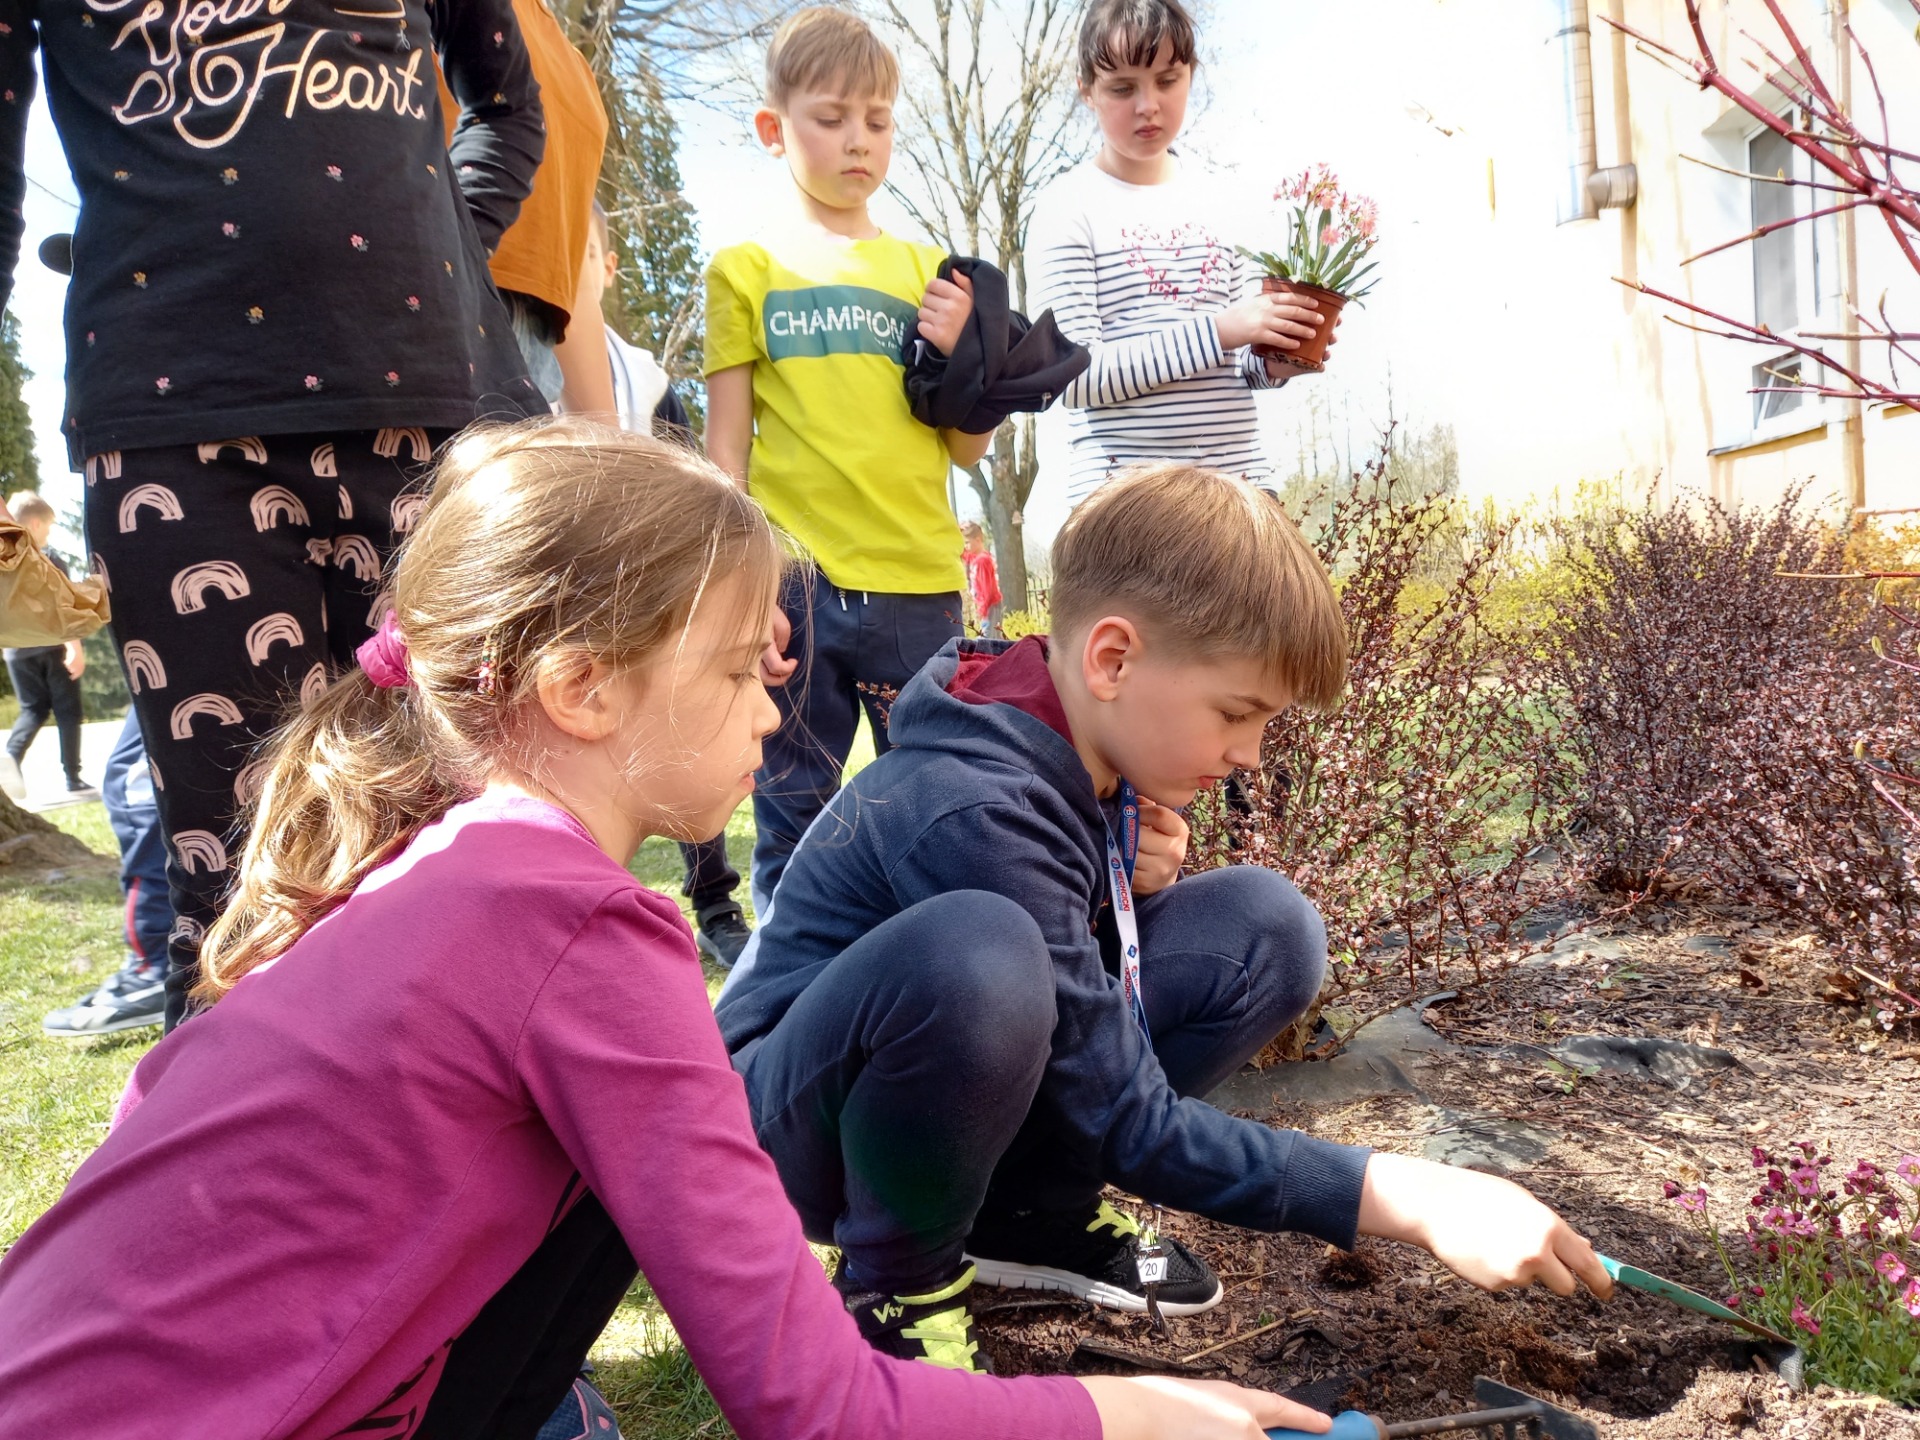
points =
(1330, 234)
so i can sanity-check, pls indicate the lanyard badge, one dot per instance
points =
(1121, 855)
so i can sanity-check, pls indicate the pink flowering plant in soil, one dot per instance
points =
(1832, 1260)
(1330, 234)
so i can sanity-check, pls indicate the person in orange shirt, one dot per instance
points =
(537, 264)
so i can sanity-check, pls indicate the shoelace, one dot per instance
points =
(1121, 1223)
(943, 1335)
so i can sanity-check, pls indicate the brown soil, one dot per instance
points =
(30, 845)
(1393, 1332)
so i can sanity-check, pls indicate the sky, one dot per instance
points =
(1369, 86)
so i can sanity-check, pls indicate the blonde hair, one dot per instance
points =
(27, 505)
(826, 48)
(534, 540)
(1209, 565)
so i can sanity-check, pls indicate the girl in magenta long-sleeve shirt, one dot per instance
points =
(461, 1062)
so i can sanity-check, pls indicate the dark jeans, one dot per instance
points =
(854, 647)
(127, 790)
(711, 878)
(43, 687)
(896, 1095)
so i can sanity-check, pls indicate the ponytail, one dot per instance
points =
(348, 783)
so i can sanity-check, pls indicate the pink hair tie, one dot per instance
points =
(384, 657)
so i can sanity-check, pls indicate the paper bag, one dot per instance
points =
(39, 605)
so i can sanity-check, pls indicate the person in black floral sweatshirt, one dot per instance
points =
(279, 308)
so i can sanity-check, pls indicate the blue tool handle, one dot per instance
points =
(1347, 1425)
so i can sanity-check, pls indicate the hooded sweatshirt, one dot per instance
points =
(983, 790)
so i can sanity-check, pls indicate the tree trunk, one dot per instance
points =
(28, 843)
(1015, 464)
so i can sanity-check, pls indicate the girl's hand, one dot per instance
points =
(1163, 848)
(1484, 1229)
(1286, 369)
(1158, 1407)
(943, 314)
(1268, 318)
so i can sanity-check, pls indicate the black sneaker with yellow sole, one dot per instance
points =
(1092, 1256)
(935, 1328)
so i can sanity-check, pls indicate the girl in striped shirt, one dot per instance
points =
(1129, 252)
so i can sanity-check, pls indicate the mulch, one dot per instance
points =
(1390, 1330)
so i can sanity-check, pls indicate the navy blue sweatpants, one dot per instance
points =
(896, 1095)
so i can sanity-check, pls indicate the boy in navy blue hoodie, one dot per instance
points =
(979, 995)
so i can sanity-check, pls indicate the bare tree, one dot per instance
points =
(989, 115)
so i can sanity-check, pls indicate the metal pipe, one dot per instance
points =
(1570, 39)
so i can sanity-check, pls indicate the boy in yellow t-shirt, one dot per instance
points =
(805, 404)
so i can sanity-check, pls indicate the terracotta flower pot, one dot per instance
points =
(1312, 354)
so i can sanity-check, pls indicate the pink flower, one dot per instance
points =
(393, 377)
(230, 230)
(313, 382)
(1801, 1318)
(359, 242)
(1806, 1180)
(1694, 1201)
(163, 384)
(1890, 1268)
(1332, 235)
(333, 172)
(1912, 1298)
(413, 302)
(1908, 1169)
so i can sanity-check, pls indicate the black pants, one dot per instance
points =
(43, 687)
(510, 1368)
(243, 575)
(711, 878)
(897, 1094)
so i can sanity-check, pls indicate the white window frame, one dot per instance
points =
(1816, 291)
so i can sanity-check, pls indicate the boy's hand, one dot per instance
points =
(1163, 848)
(1484, 1229)
(943, 314)
(75, 660)
(1269, 318)
(775, 668)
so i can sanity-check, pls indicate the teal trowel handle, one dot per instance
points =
(1347, 1425)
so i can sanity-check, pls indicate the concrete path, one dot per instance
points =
(46, 786)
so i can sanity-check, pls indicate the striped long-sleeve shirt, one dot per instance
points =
(1137, 274)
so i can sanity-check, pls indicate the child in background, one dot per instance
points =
(135, 994)
(1130, 252)
(983, 580)
(982, 996)
(400, 1228)
(46, 678)
(647, 404)
(806, 404)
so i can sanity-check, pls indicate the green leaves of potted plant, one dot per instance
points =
(1330, 234)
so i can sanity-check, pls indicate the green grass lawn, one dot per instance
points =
(58, 940)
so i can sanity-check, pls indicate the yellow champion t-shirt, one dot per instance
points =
(838, 460)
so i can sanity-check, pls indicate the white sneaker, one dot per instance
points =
(11, 780)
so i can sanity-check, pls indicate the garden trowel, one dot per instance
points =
(1692, 1299)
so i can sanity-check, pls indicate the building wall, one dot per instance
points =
(1602, 383)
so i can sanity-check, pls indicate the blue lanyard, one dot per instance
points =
(1121, 855)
